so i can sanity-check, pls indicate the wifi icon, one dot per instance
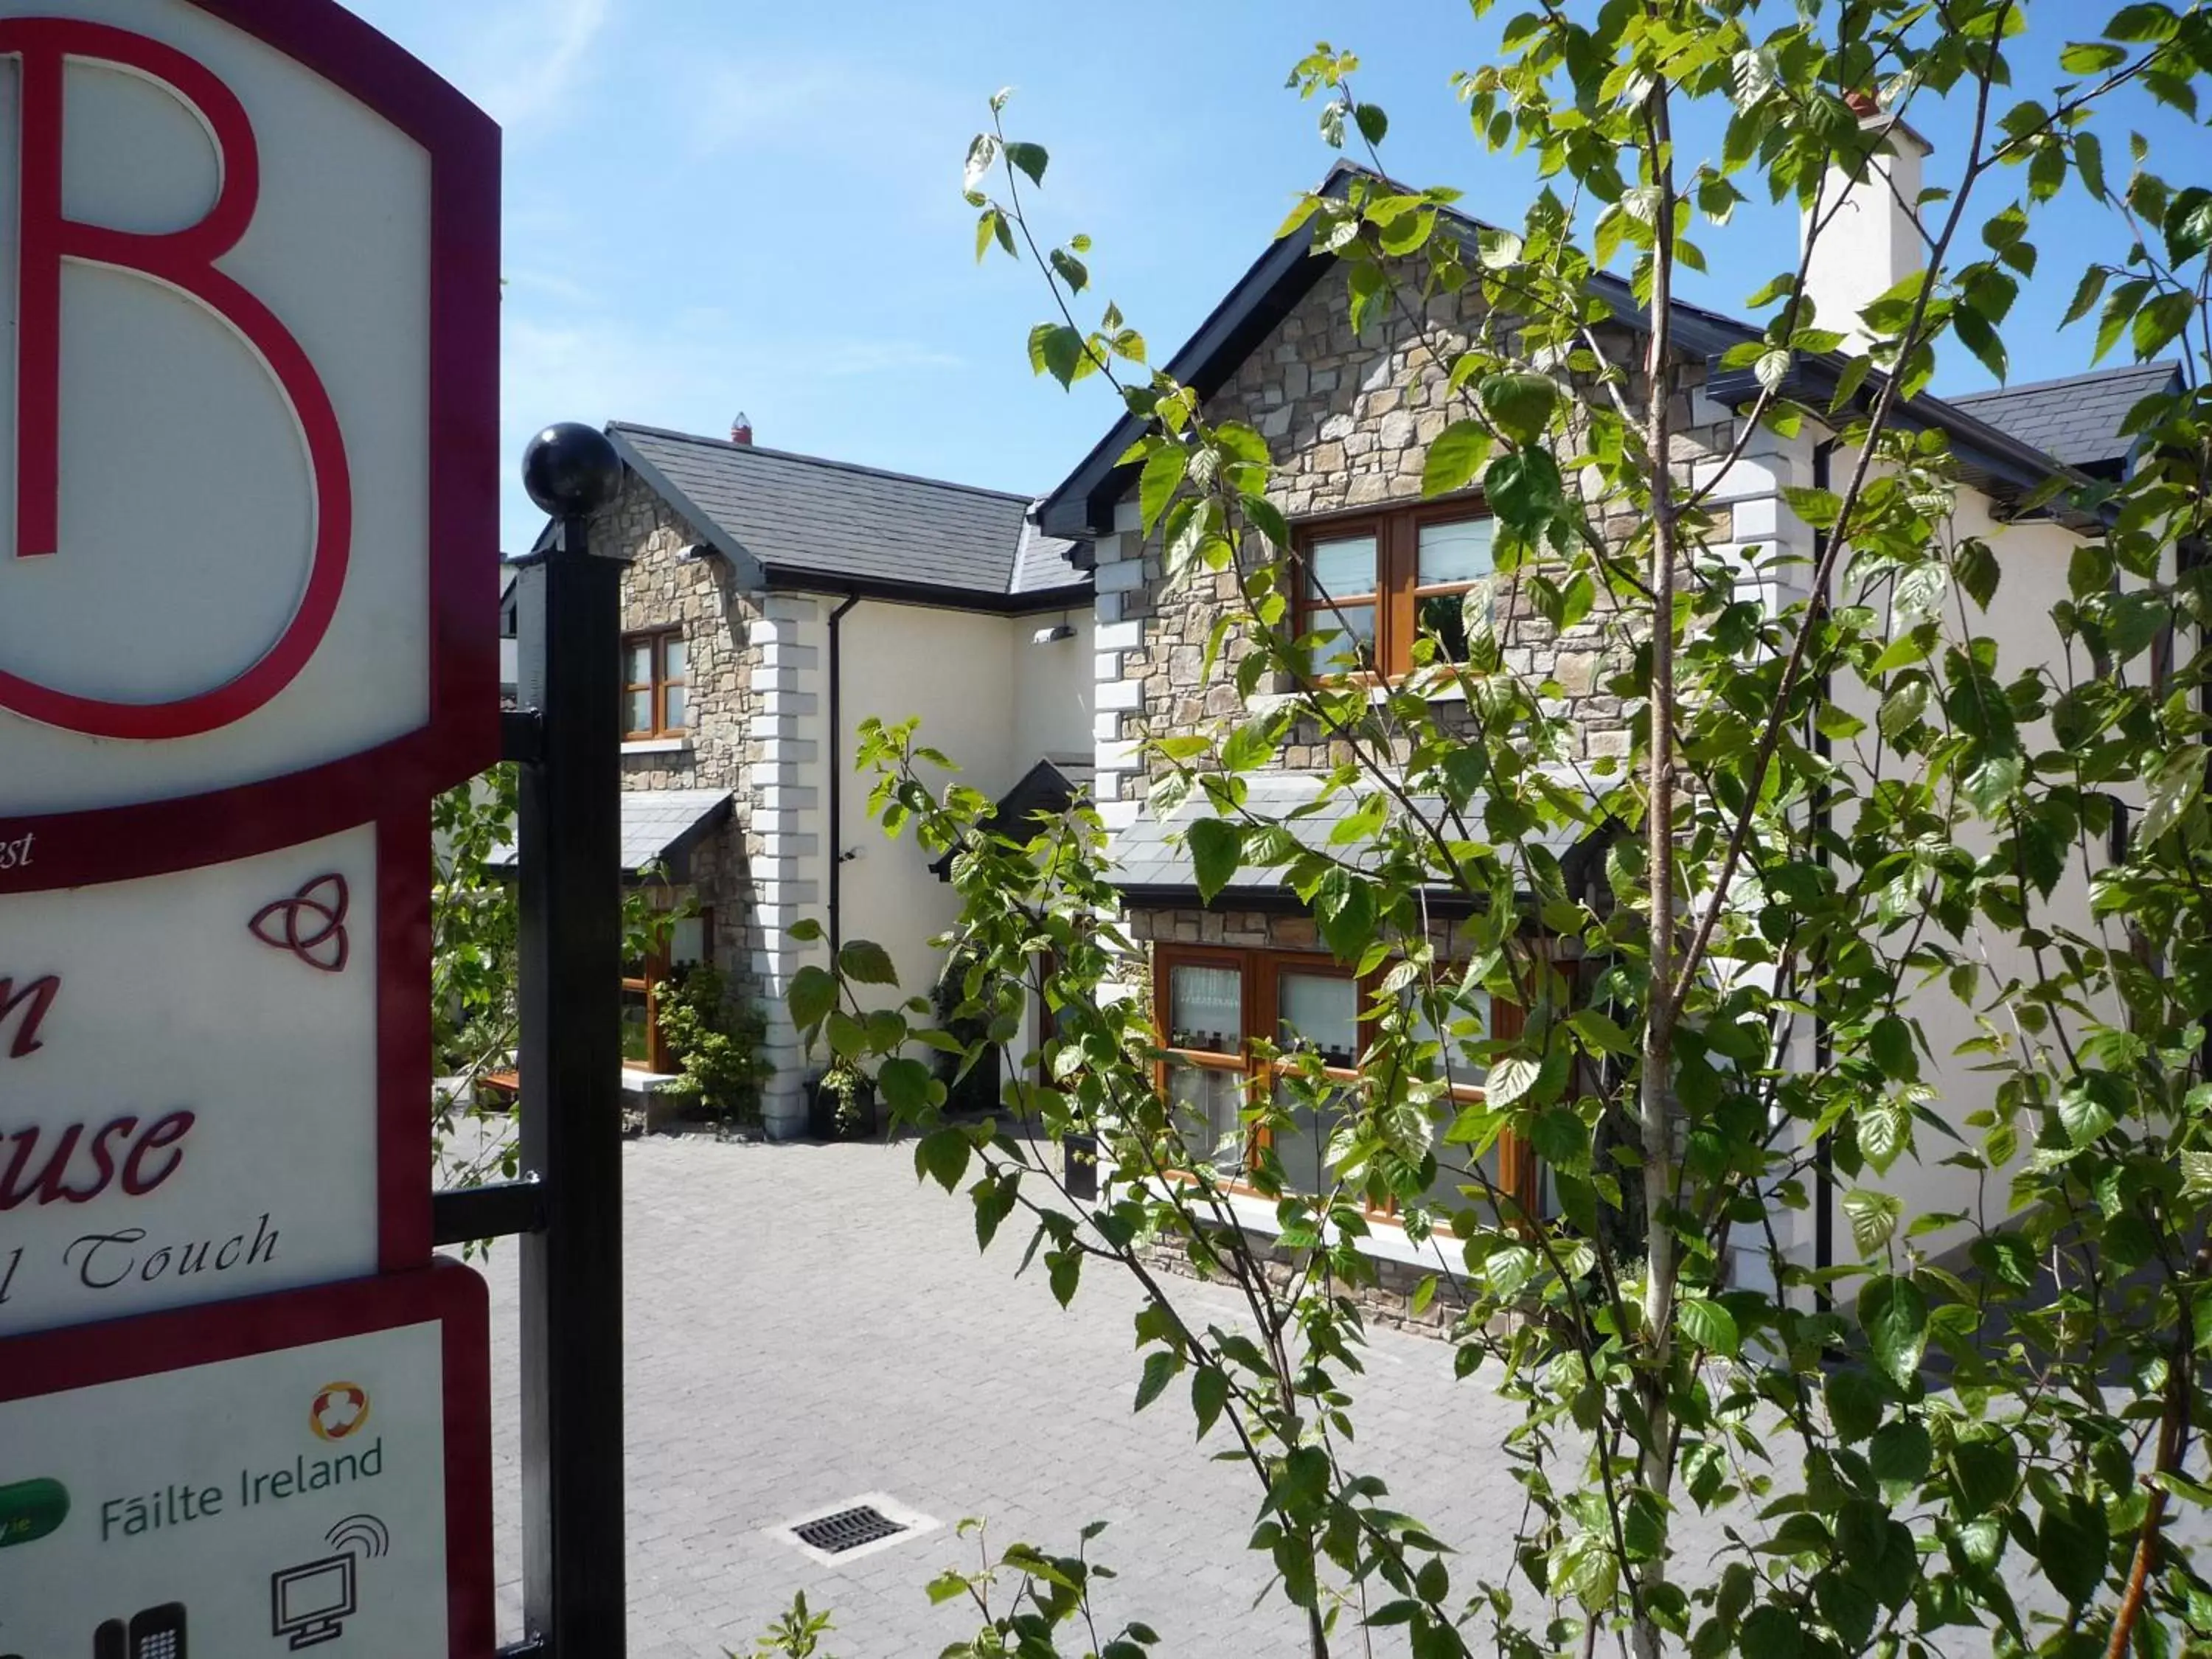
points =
(364, 1534)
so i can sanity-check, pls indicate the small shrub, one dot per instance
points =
(717, 1047)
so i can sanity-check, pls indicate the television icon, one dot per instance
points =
(310, 1604)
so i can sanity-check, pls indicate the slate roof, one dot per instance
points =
(1047, 789)
(1990, 453)
(659, 826)
(1148, 856)
(806, 522)
(2076, 418)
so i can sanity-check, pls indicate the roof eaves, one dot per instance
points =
(1082, 504)
(1996, 456)
(751, 572)
(942, 596)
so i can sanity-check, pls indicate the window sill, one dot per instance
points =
(656, 746)
(1267, 703)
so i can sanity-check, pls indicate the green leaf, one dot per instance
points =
(1520, 404)
(2072, 1543)
(1344, 906)
(1856, 1401)
(2090, 57)
(1209, 1393)
(1874, 1217)
(1893, 1314)
(864, 961)
(904, 1085)
(1526, 491)
(1509, 1079)
(2189, 224)
(1163, 475)
(2086, 295)
(1709, 1325)
(1980, 337)
(1901, 1452)
(1029, 158)
(942, 1154)
(1771, 1632)
(2082, 1114)
(1160, 1367)
(1975, 567)
(1373, 123)
(1217, 847)
(1454, 458)
(813, 993)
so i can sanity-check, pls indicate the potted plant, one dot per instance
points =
(843, 1106)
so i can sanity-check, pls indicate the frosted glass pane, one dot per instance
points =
(1469, 1007)
(687, 941)
(1205, 1101)
(676, 709)
(1320, 1011)
(1453, 1165)
(1302, 1149)
(637, 711)
(637, 663)
(1342, 568)
(1454, 552)
(1347, 639)
(675, 659)
(1205, 1008)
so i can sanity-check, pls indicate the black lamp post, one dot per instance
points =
(569, 839)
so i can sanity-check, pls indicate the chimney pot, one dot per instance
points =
(741, 430)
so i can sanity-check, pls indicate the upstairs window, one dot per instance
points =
(1376, 584)
(656, 685)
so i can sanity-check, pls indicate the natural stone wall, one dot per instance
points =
(660, 589)
(1349, 418)
(1388, 1302)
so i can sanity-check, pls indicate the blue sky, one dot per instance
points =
(716, 205)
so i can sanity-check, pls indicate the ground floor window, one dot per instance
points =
(684, 936)
(1219, 1009)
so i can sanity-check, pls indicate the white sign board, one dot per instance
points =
(225, 555)
(188, 1085)
(263, 1498)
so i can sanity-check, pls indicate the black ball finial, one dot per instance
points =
(571, 470)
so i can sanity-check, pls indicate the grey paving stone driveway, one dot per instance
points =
(808, 1323)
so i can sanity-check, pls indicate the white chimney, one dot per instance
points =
(1873, 241)
(741, 430)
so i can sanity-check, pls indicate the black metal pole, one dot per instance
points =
(569, 838)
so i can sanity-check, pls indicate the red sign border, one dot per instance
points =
(121, 1351)
(461, 736)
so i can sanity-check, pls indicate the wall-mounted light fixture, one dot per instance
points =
(1057, 631)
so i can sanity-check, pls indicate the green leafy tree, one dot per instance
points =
(1828, 805)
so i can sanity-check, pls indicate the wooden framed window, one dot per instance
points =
(1375, 583)
(656, 684)
(690, 939)
(1213, 1004)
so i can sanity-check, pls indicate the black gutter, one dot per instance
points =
(834, 841)
(1997, 456)
(784, 579)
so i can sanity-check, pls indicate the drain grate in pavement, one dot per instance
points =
(859, 1526)
(849, 1529)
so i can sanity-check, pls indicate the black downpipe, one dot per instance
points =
(1824, 1169)
(834, 840)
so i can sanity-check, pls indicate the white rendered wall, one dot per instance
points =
(1053, 685)
(955, 670)
(2032, 557)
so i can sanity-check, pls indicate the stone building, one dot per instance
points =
(772, 603)
(1348, 418)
